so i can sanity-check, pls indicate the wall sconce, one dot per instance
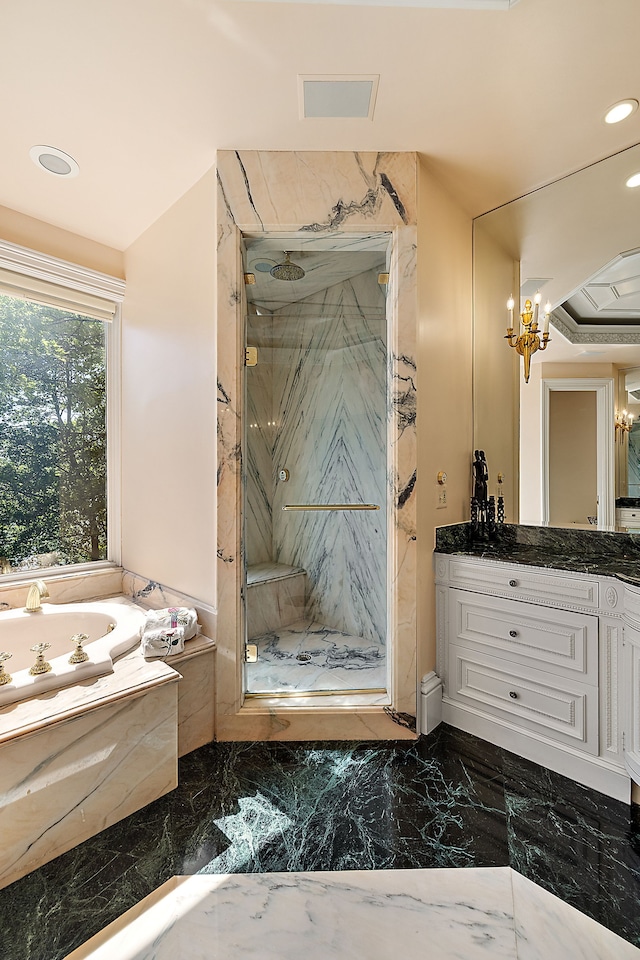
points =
(528, 342)
(623, 424)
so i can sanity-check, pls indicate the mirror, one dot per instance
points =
(577, 241)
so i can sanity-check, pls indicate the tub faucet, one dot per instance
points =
(37, 590)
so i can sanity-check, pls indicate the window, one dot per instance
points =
(55, 381)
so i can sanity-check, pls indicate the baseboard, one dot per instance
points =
(594, 772)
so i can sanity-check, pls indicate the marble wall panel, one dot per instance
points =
(322, 195)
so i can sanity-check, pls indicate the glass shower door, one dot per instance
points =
(316, 481)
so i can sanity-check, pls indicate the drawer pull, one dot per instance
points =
(513, 633)
(513, 694)
(513, 583)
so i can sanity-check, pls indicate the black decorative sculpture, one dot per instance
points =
(483, 508)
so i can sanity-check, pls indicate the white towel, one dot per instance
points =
(170, 617)
(162, 642)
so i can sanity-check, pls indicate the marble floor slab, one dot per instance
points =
(441, 914)
(446, 801)
(308, 656)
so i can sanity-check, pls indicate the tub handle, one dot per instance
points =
(41, 665)
(4, 677)
(79, 655)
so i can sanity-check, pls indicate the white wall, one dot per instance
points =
(169, 398)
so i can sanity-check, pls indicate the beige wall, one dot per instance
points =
(45, 238)
(444, 385)
(496, 367)
(169, 398)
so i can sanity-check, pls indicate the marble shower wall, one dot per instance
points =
(330, 407)
(316, 195)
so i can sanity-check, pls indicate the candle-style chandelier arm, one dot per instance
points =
(527, 342)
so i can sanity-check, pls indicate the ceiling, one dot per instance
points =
(143, 92)
(577, 241)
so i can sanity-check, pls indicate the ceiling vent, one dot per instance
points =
(337, 97)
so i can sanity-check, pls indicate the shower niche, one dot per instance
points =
(315, 512)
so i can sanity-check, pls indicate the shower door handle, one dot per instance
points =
(331, 506)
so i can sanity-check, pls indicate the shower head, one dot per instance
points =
(287, 270)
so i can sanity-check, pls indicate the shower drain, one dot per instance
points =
(304, 657)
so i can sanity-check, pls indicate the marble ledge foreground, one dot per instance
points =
(443, 914)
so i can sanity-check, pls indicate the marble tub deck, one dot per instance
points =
(440, 914)
(447, 801)
(336, 661)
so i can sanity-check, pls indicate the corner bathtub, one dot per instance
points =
(56, 624)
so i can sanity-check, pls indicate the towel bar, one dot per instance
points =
(331, 506)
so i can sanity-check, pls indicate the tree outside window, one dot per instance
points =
(52, 436)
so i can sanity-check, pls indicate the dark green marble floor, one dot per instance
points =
(447, 800)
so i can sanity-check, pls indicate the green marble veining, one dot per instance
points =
(447, 800)
(596, 552)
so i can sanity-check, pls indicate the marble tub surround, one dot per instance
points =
(152, 595)
(109, 629)
(357, 914)
(596, 552)
(196, 693)
(64, 586)
(445, 801)
(310, 197)
(130, 673)
(78, 760)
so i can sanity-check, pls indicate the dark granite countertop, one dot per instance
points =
(594, 552)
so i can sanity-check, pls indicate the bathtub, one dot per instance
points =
(56, 624)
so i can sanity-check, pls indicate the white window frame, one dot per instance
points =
(62, 273)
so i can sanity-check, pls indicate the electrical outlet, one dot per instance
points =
(442, 497)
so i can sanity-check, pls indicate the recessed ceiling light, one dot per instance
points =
(54, 161)
(620, 111)
(634, 181)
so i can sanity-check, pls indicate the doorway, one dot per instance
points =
(315, 470)
(578, 465)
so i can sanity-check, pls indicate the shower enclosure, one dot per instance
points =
(315, 468)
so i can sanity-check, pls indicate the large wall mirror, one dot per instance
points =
(577, 242)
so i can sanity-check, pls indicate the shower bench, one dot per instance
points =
(276, 596)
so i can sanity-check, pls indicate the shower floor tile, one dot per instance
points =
(309, 656)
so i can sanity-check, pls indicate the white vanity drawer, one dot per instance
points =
(523, 582)
(561, 642)
(531, 700)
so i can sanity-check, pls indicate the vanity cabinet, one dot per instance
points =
(529, 660)
(631, 671)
